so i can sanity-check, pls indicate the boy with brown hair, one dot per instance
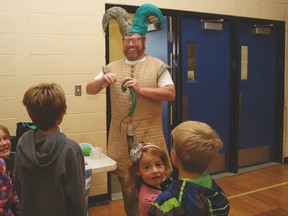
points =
(49, 167)
(195, 145)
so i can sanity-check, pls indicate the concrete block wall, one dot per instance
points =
(63, 42)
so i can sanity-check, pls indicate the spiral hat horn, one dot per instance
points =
(129, 26)
(123, 19)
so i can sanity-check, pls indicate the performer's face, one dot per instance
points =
(134, 47)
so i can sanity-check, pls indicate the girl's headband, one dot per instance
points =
(136, 151)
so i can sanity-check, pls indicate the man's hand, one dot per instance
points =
(96, 85)
(131, 82)
(109, 79)
(164, 93)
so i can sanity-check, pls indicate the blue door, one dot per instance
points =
(157, 46)
(257, 95)
(206, 78)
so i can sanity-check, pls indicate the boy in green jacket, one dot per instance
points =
(195, 144)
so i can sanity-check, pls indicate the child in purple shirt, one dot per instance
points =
(9, 202)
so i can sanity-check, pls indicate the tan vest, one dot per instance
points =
(146, 118)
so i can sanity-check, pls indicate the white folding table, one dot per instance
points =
(101, 164)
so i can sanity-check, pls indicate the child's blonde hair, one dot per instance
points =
(133, 180)
(195, 144)
(5, 130)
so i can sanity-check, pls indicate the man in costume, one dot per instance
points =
(135, 114)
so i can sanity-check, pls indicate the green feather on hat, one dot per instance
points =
(141, 18)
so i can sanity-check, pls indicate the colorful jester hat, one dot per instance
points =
(129, 26)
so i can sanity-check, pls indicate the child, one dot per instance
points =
(9, 202)
(148, 168)
(195, 144)
(49, 167)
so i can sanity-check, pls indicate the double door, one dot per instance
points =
(208, 87)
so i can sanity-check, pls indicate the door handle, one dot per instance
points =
(240, 110)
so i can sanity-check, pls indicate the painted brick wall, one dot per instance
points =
(62, 41)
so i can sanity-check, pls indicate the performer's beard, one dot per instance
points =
(134, 53)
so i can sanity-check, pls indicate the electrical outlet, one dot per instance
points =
(78, 90)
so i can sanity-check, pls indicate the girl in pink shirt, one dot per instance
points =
(147, 169)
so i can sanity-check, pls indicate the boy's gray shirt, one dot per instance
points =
(50, 175)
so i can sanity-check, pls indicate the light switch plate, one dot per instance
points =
(78, 90)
